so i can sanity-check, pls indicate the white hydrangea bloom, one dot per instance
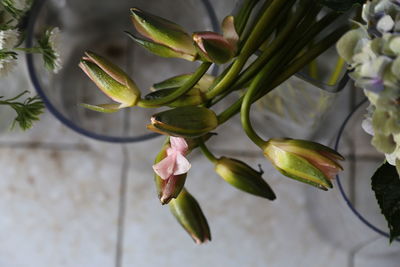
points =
(54, 41)
(9, 39)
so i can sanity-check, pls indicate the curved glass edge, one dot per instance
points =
(35, 82)
(339, 183)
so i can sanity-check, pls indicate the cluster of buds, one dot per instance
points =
(190, 122)
(167, 39)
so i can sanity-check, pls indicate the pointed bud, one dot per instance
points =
(229, 31)
(187, 122)
(305, 161)
(177, 81)
(243, 177)
(159, 49)
(213, 47)
(189, 214)
(194, 97)
(163, 32)
(109, 78)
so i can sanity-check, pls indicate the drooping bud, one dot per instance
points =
(189, 214)
(113, 81)
(243, 177)
(163, 35)
(213, 47)
(170, 188)
(305, 161)
(187, 122)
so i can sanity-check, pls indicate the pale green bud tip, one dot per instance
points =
(214, 47)
(163, 32)
(243, 177)
(187, 122)
(187, 211)
(306, 161)
(109, 78)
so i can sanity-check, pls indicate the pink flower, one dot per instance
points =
(175, 163)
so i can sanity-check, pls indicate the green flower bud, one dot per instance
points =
(189, 214)
(169, 188)
(243, 177)
(177, 81)
(163, 32)
(187, 122)
(305, 161)
(213, 47)
(113, 81)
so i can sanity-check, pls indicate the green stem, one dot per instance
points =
(243, 15)
(207, 152)
(33, 50)
(245, 112)
(275, 45)
(196, 76)
(249, 47)
(290, 70)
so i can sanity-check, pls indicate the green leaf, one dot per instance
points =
(386, 185)
(340, 5)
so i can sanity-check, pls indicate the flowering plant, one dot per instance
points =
(287, 35)
(13, 15)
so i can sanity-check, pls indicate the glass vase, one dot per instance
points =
(98, 25)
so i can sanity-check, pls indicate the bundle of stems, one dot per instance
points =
(271, 40)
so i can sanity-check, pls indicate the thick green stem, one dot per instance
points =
(275, 45)
(249, 47)
(243, 15)
(207, 152)
(289, 70)
(196, 76)
(245, 111)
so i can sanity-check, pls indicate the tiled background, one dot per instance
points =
(68, 201)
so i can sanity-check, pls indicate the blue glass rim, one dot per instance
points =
(339, 183)
(38, 4)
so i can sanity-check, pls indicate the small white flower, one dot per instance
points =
(9, 39)
(6, 65)
(54, 41)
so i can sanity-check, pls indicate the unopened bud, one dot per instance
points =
(187, 122)
(163, 32)
(243, 177)
(189, 214)
(113, 81)
(305, 161)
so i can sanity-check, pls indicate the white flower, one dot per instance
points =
(6, 65)
(9, 39)
(54, 41)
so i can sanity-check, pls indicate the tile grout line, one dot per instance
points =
(122, 208)
(124, 177)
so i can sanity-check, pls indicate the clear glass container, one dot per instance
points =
(98, 25)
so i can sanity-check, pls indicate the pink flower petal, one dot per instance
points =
(182, 165)
(165, 168)
(179, 144)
